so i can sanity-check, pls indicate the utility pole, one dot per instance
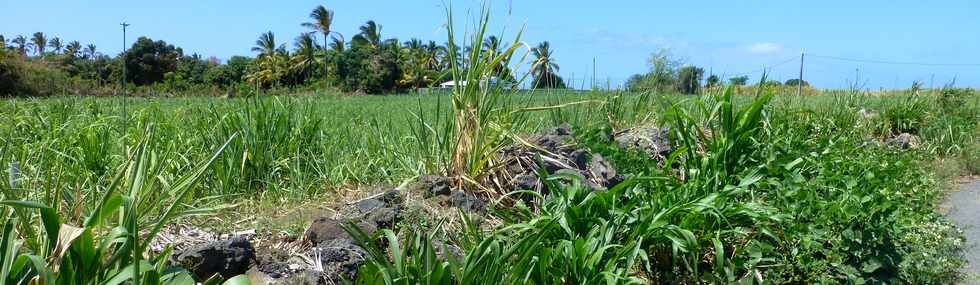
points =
(124, 25)
(125, 97)
(593, 73)
(799, 85)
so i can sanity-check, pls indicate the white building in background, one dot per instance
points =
(493, 81)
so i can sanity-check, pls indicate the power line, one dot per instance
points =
(891, 62)
(765, 68)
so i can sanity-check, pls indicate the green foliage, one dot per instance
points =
(148, 61)
(689, 79)
(366, 69)
(21, 77)
(796, 82)
(648, 229)
(905, 115)
(760, 193)
(739, 80)
(228, 74)
(712, 80)
(549, 80)
(110, 243)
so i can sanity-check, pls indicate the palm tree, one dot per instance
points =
(73, 48)
(437, 55)
(413, 45)
(270, 69)
(21, 43)
(544, 68)
(266, 44)
(337, 44)
(305, 55)
(370, 35)
(90, 51)
(322, 18)
(55, 44)
(40, 41)
(492, 45)
(543, 63)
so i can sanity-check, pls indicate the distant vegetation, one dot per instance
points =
(368, 63)
(739, 184)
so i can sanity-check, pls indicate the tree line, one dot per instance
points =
(368, 63)
(669, 74)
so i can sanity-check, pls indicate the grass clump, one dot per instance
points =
(107, 243)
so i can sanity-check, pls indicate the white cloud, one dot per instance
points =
(764, 48)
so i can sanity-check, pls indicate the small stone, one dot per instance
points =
(526, 182)
(904, 141)
(432, 185)
(340, 259)
(653, 141)
(467, 202)
(325, 229)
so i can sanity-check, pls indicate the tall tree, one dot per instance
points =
(148, 61)
(543, 63)
(544, 68)
(73, 48)
(322, 19)
(21, 44)
(40, 41)
(304, 58)
(266, 44)
(437, 55)
(55, 44)
(689, 79)
(3, 42)
(337, 44)
(491, 45)
(739, 80)
(369, 36)
(712, 80)
(90, 51)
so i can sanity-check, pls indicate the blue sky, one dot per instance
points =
(724, 37)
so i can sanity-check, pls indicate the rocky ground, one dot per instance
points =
(327, 254)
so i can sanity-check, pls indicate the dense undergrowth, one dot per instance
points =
(795, 191)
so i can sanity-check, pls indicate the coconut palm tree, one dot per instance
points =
(543, 65)
(90, 51)
(305, 56)
(437, 56)
(544, 68)
(337, 44)
(491, 45)
(73, 48)
(322, 19)
(266, 44)
(39, 41)
(413, 45)
(21, 44)
(370, 35)
(270, 69)
(55, 44)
